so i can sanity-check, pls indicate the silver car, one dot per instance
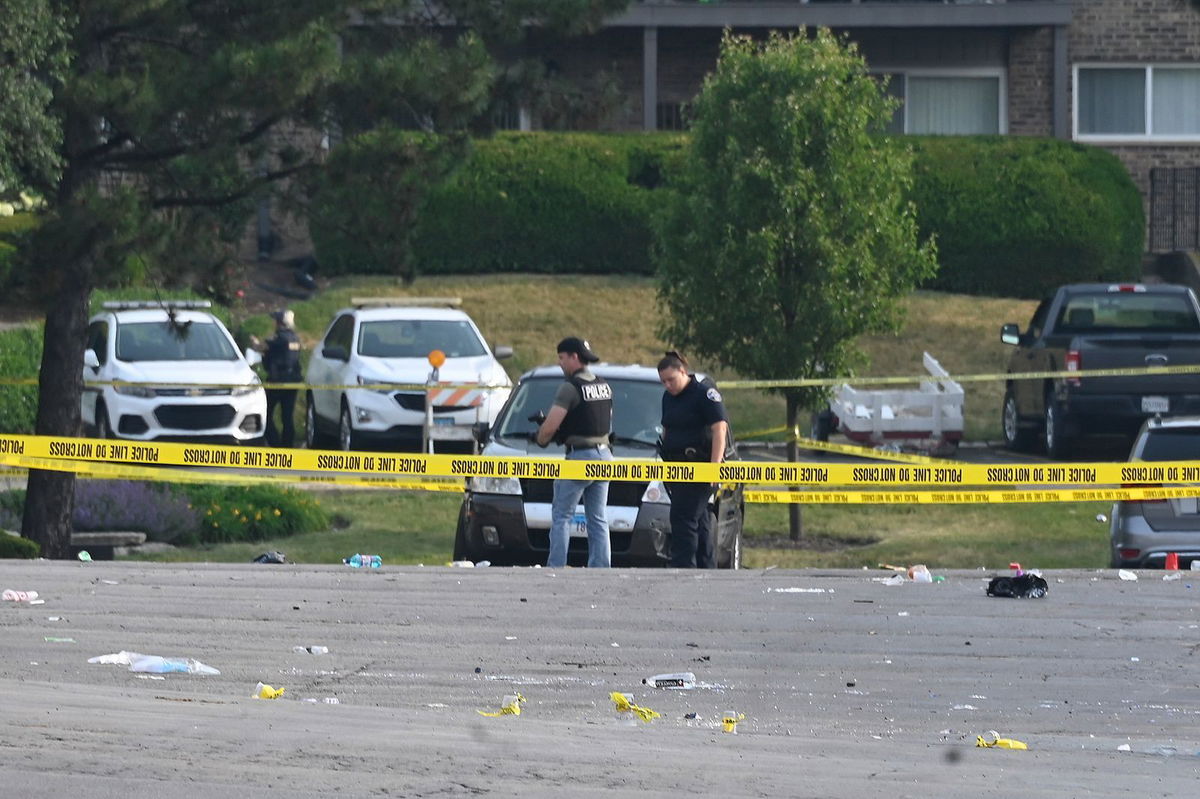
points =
(1144, 531)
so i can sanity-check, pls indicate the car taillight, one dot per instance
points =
(1142, 501)
(1129, 554)
(1074, 363)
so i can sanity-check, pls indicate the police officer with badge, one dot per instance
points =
(282, 362)
(695, 428)
(580, 419)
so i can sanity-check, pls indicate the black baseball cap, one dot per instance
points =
(580, 347)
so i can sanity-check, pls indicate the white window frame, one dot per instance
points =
(1147, 110)
(951, 72)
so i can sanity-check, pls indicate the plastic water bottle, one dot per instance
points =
(153, 664)
(684, 680)
(359, 561)
(311, 650)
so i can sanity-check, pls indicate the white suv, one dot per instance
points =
(200, 386)
(381, 341)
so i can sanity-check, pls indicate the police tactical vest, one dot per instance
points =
(592, 417)
(283, 357)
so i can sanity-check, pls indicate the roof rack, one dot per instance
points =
(390, 302)
(128, 305)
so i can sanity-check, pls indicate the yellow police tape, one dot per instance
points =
(966, 497)
(459, 466)
(799, 382)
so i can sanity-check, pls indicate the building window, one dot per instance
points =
(1137, 102)
(947, 104)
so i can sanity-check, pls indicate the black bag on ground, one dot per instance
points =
(1026, 586)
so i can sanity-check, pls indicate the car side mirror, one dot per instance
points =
(1010, 334)
(253, 357)
(502, 352)
(480, 431)
(90, 359)
(335, 353)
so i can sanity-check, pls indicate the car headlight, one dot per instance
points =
(135, 391)
(367, 382)
(495, 485)
(241, 391)
(656, 493)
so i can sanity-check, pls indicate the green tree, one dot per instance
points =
(789, 234)
(177, 115)
(33, 58)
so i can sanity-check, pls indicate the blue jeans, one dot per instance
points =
(567, 495)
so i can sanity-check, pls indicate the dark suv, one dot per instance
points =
(507, 520)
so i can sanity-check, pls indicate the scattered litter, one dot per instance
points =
(1016, 569)
(85, 556)
(264, 691)
(1135, 660)
(1162, 751)
(311, 650)
(939, 578)
(359, 561)
(510, 638)
(52, 640)
(1195, 565)
(1125, 574)
(483, 564)
(149, 677)
(920, 573)
(331, 700)
(54, 618)
(271, 557)
(902, 613)
(462, 564)
(799, 591)
(895, 579)
(29, 597)
(121, 658)
(999, 743)
(1025, 586)
(437, 704)
(154, 664)
(615, 645)
(729, 721)
(1124, 748)
(110, 582)
(624, 704)
(690, 716)
(1171, 576)
(965, 707)
(684, 680)
(511, 706)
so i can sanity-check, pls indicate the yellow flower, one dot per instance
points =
(208, 513)
(236, 512)
(258, 517)
(278, 512)
(244, 520)
(216, 524)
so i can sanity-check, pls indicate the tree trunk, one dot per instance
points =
(50, 499)
(795, 520)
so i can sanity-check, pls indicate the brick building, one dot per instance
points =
(1120, 74)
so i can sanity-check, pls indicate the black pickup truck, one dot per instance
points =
(1100, 326)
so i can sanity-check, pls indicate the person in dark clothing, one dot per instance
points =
(580, 419)
(282, 362)
(695, 428)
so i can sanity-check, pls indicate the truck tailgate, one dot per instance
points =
(1136, 351)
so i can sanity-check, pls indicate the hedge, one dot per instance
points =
(20, 356)
(1017, 216)
(1013, 216)
(12, 546)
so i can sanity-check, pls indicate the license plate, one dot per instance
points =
(1156, 405)
(579, 526)
(441, 421)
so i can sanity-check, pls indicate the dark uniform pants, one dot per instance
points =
(691, 530)
(285, 400)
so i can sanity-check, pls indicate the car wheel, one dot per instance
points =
(347, 440)
(313, 437)
(1016, 437)
(103, 428)
(1054, 431)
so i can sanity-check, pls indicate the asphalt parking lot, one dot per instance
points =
(849, 687)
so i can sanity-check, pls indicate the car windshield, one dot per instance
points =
(1171, 444)
(637, 408)
(163, 341)
(1128, 312)
(416, 338)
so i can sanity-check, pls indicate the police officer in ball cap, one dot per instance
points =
(696, 429)
(282, 362)
(581, 419)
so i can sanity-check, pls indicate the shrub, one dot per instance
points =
(1020, 216)
(12, 546)
(252, 513)
(12, 230)
(560, 203)
(155, 509)
(12, 508)
(20, 357)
